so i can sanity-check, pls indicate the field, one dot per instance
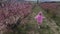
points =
(25, 23)
(49, 25)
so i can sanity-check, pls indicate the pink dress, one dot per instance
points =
(39, 18)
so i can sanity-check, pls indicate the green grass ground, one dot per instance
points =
(31, 26)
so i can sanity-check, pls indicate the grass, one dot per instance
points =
(45, 29)
(32, 24)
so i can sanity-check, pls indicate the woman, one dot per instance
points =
(39, 18)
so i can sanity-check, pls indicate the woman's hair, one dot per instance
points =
(40, 13)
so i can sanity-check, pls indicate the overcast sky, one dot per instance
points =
(43, 0)
(54, 0)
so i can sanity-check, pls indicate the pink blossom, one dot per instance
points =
(39, 18)
(11, 12)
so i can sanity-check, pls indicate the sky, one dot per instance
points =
(43, 0)
(48, 0)
(31, 0)
(55, 0)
